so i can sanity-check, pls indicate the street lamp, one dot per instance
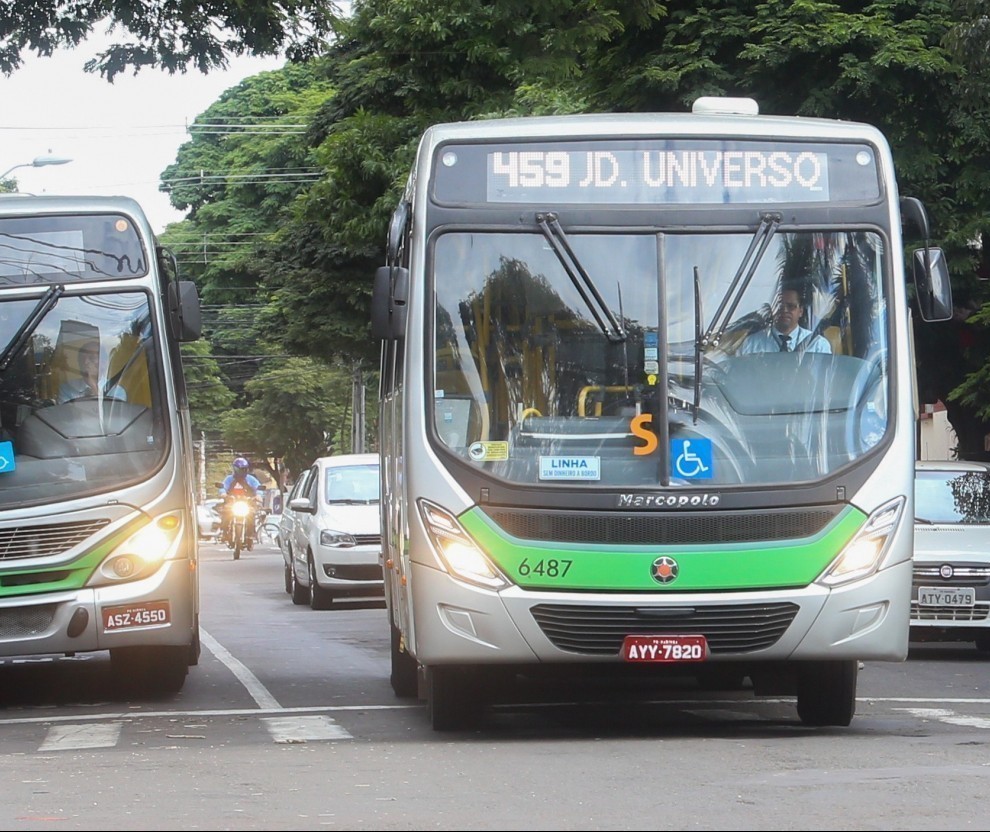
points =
(37, 162)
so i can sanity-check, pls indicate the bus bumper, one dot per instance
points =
(74, 622)
(515, 626)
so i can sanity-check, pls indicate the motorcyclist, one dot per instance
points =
(239, 482)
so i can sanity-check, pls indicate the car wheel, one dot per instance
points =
(300, 594)
(319, 598)
(287, 576)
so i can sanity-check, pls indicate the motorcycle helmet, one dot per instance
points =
(241, 464)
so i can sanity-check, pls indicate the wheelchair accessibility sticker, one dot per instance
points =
(7, 463)
(691, 458)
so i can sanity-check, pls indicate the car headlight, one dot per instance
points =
(457, 550)
(342, 540)
(143, 553)
(863, 555)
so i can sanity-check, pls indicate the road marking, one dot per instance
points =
(289, 729)
(949, 717)
(254, 687)
(75, 737)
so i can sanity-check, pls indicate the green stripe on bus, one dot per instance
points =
(610, 567)
(74, 575)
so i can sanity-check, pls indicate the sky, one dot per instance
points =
(120, 136)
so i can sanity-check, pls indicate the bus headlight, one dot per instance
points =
(863, 554)
(143, 553)
(457, 551)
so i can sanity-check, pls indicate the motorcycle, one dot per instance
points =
(239, 529)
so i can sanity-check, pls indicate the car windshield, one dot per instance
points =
(530, 385)
(952, 497)
(352, 484)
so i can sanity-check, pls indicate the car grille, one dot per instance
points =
(368, 539)
(43, 541)
(600, 630)
(662, 529)
(962, 575)
(354, 572)
(22, 622)
(980, 612)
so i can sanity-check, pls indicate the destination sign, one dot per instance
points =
(673, 171)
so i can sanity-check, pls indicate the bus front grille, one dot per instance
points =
(23, 622)
(44, 541)
(600, 630)
(659, 529)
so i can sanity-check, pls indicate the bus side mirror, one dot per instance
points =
(388, 303)
(914, 219)
(931, 283)
(183, 310)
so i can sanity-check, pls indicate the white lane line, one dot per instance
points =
(289, 729)
(948, 717)
(74, 737)
(257, 690)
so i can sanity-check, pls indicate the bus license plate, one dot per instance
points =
(665, 648)
(946, 596)
(148, 614)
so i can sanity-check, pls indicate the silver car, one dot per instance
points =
(951, 587)
(334, 532)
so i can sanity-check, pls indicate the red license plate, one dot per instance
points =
(665, 648)
(148, 614)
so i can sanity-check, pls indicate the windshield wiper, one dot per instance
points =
(744, 274)
(698, 318)
(43, 307)
(604, 317)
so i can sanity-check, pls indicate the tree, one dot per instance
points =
(299, 410)
(166, 34)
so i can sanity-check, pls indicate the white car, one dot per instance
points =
(335, 538)
(951, 589)
(208, 519)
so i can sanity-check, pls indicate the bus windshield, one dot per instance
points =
(735, 368)
(80, 406)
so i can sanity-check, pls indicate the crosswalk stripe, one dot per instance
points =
(74, 737)
(286, 729)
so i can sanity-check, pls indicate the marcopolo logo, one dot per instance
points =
(664, 570)
(702, 500)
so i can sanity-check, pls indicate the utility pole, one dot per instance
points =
(202, 466)
(357, 411)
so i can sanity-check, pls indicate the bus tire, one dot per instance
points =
(405, 669)
(152, 671)
(826, 692)
(452, 701)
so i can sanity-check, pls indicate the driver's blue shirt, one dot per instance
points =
(800, 340)
(250, 482)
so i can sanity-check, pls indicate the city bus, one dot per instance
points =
(587, 463)
(98, 543)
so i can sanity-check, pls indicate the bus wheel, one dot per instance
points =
(155, 671)
(405, 669)
(826, 692)
(452, 700)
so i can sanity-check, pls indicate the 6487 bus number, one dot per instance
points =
(545, 567)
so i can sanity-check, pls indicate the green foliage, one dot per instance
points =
(299, 409)
(166, 34)
(307, 250)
